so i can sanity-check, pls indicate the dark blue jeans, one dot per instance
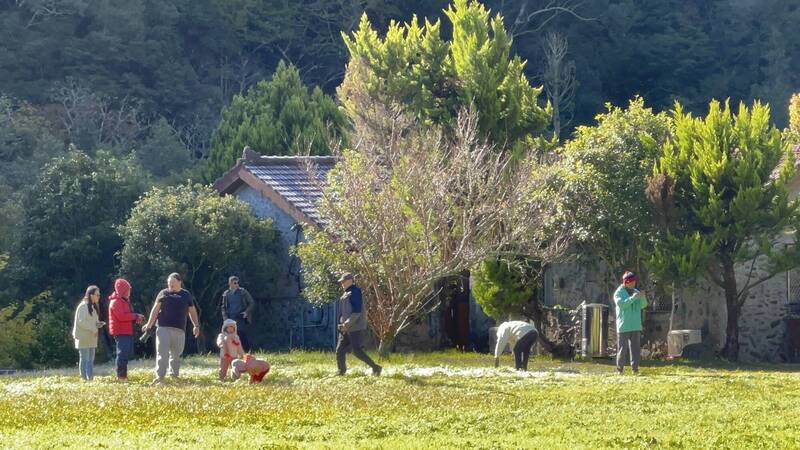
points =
(124, 354)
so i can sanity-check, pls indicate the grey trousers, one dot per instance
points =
(628, 344)
(351, 342)
(169, 347)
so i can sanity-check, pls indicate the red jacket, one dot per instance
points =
(120, 316)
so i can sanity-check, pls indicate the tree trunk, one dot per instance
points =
(731, 349)
(672, 309)
(558, 348)
(385, 346)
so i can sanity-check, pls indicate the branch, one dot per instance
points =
(553, 9)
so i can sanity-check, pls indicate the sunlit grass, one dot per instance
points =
(435, 400)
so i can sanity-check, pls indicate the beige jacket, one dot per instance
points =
(84, 328)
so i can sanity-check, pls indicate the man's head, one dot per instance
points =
(233, 282)
(629, 279)
(346, 280)
(174, 282)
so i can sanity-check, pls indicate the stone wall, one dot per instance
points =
(283, 320)
(762, 327)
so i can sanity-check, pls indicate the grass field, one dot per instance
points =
(438, 400)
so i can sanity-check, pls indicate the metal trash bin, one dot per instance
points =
(594, 330)
(678, 339)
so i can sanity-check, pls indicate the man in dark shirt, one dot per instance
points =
(170, 311)
(351, 325)
(237, 304)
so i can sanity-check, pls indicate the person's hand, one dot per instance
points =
(139, 319)
(244, 315)
(196, 331)
(497, 362)
(340, 327)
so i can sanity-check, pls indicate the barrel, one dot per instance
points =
(594, 330)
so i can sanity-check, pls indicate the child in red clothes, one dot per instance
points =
(230, 347)
(256, 368)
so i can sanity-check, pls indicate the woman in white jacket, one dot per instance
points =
(84, 330)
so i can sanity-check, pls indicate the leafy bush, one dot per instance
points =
(17, 335)
(204, 237)
(503, 289)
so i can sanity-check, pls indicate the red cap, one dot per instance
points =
(628, 276)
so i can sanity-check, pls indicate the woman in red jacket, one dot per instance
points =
(120, 324)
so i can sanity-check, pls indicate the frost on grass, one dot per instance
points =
(478, 372)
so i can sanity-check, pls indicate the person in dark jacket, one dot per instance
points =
(237, 304)
(351, 325)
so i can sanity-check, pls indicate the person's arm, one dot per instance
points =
(623, 300)
(642, 299)
(356, 305)
(153, 314)
(195, 321)
(122, 316)
(85, 320)
(249, 304)
(502, 340)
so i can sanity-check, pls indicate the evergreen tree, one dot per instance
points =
(503, 290)
(432, 78)
(727, 176)
(275, 117)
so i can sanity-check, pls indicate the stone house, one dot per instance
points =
(279, 187)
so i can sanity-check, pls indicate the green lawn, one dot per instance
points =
(439, 400)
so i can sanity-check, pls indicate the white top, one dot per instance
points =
(84, 328)
(510, 333)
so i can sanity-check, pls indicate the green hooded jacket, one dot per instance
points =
(629, 309)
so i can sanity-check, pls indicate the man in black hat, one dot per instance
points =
(351, 325)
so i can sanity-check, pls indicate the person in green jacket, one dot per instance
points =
(629, 302)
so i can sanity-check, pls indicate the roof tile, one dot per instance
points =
(289, 176)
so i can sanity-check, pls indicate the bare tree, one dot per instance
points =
(41, 10)
(411, 204)
(531, 16)
(558, 75)
(91, 120)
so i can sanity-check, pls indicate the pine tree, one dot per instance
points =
(275, 117)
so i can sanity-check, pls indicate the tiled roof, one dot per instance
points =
(291, 178)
